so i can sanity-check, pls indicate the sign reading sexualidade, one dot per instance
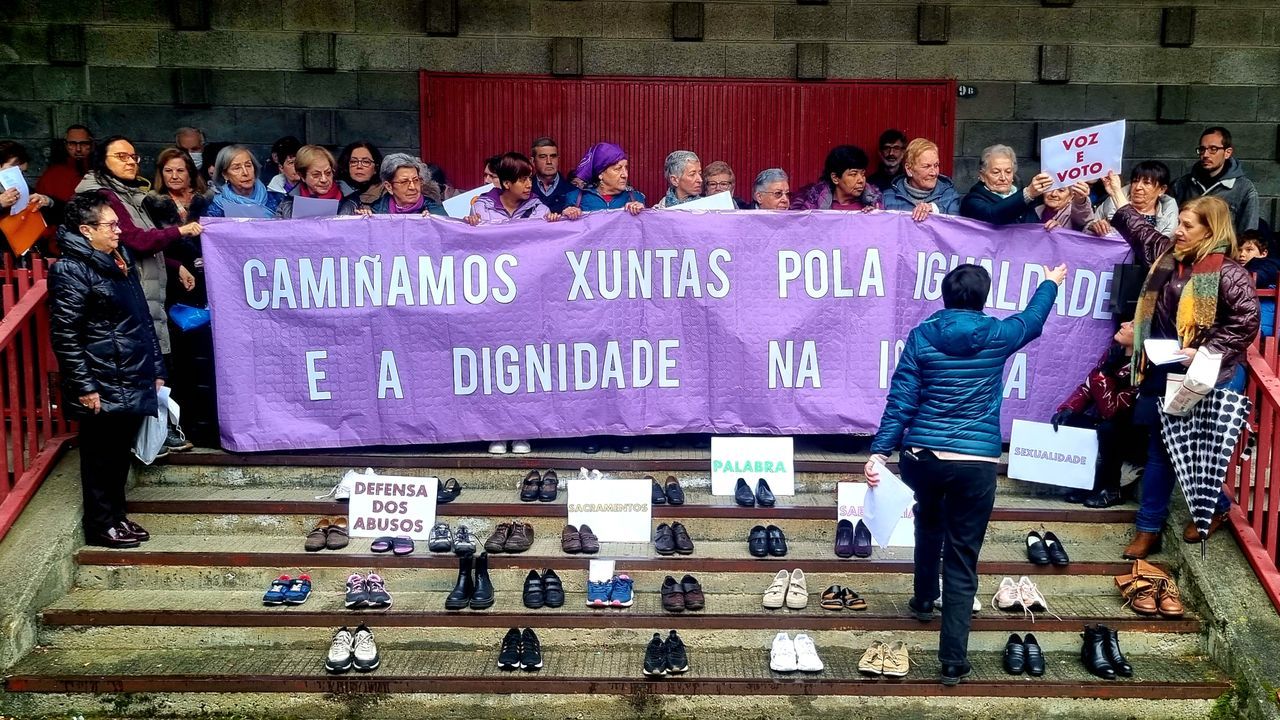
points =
(617, 510)
(389, 505)
(752, 458)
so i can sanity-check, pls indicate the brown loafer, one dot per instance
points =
(498, 539)
(570, 541)
(1191, 534)
(590, 543)
(337, 537)
(316, 538)
(520, 539)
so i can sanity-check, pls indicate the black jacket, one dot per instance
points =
(102, 331)
(982, 204)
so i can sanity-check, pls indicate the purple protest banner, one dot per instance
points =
(393, 330)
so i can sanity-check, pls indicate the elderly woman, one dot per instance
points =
(604, 170)
(315, 166)
(1148, 182)
(236, 184)
(717, 178)
(513, 199)
(409, 190)
(996, 199)
(178, 196)
(1197, 294)
(684, 179)
(358, 166)
(13, 154)
(108, 357)
(922, 189)
(1066, 207)
(772, 190)
(842, 186)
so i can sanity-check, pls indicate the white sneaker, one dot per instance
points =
(497, 448)
(341, 654)
(977, 604)
(782, 657)
(342, 491)
(797, 591)
(776, 595)
(1030, 595)
(1007, 597)
(366, 650)
(521, 447)
(807, 659)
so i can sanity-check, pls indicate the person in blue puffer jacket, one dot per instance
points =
(943, 413)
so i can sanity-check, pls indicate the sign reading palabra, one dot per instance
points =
(387, 330)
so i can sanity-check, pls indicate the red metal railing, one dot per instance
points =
(33, 432)
(1253, 474)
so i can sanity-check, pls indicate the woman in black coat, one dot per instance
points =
(109, 359)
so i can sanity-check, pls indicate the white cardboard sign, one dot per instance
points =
(851, 499)
(1083, 155)
(719, 201)
(459, 206)
(751, 458)
(390, 505)
(1067, 457)
(617, 510)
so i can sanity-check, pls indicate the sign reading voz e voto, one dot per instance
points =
(389, 505)
(752, 457)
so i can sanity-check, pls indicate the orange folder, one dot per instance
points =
(22, 230)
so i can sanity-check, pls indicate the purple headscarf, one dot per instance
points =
(599, 157)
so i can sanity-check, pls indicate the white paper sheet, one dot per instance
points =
(719, 201)
(305, 207)
(252, 212)
(1083, 155)
(884, 505)
(1163, 352)
(459, 206)
(11, 177)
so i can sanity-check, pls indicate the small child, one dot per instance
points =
(1253, 254)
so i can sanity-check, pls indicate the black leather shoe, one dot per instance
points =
(922, 611)
(530, 486)
(115, 537)
(483, 596)
(550, 487)
(675, 493)
(757, 542)
(861, 540)
(624, 448)
(764, 496)
(775, 541)
(136, 530)
(1057, 553)
(1035, 656)
(742, 494)
(1015, 656)
(460, 596)
(1111, 644)
(684, 543)
(664, 541)
(1093, 653)
(1104, 499)
(591, 448)
(1036, 551)
(1076, 497)
(552, 589)
(953, 674)
(533, 593)
(656, 494)
(844, 539)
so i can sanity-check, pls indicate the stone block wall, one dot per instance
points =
(333, 70)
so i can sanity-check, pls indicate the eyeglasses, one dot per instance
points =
(777, 194)
(360, 162)
(893, 147)
(1210, 149)
(242, 167)
(407, 182)
(112, 225)
(319, 174)
(125, 157)
(720, 185)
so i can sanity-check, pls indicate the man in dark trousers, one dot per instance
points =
(943, 413)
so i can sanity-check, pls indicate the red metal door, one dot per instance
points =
(751, 124)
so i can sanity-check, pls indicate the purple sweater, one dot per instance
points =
(491, 210)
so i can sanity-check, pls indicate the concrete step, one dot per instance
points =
(724, 611)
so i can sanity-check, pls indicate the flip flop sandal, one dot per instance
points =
(402, 545)
(851, 599)
(833, 598)
(382, 544)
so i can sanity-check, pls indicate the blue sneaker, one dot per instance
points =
(621, 592)
(299, 590)
(276, 594)
(598, 593)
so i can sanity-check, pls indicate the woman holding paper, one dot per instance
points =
(316, 168)
(997, 199)
(239, 192)
(943, 413)
(14, 155)
(1197, 294)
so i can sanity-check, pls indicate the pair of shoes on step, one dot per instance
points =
(1046, 549)
(788, 589)
(461, 543)
(519, 447)
(473, 588)
(540, 486)
(520, 649)
(665, 657)
(887, 659)
(787, 655)
(1023, 654)
(1101, 655)
(348, 650)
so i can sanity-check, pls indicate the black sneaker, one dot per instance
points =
(375, 592)
(953, 674)
(176, 440)
(655, 657)
(530, 651)
(509, 655)
(356, 597)
(677, 657)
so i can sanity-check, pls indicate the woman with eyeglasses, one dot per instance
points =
(409, 190)
(717, 178)
(843, 185)
(358, 166)
(996, 198)
(236, 185)
(772, 190)
(108, 357)
(316, 169)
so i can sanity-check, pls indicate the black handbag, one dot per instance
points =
(1126, 286)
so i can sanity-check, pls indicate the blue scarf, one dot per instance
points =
(226, 196)
(671, 200)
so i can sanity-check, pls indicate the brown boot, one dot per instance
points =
(1143, 544)
(1191, 534)
(1140, 594)
(1168, 600)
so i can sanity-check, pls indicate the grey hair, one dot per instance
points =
(188, 130)
(768, 177)
(677, 161)
(998, 151)
(395, 161)
(225, 156)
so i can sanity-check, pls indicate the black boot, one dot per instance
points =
(1093, 653)
(1111, 643)
(483, 596)
(464, 588)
